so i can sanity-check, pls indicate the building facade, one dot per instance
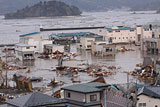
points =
(121, 34)
(36, 40)
(51, 48)
(102, 48)
(89, 94)
(149, 96)
(24, 52)
(85, 42)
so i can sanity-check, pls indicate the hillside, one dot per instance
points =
(45, 9)
(7, 6)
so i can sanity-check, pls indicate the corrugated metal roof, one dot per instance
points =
(151, 91)
(120, 28)
(86, 87)
(72, 34)
(29, 34)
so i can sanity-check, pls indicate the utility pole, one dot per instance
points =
(127, 90)
(6, 66)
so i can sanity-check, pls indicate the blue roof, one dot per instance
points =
(120, 28)
(28, 34)
(72, 34)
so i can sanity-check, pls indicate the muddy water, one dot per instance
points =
(42, 67)
(11, 29)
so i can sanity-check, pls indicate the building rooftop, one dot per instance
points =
(34, 99)
(72, 34)
(53, 45)
(120, 28)
(86, 87)
(23, 45)
(29, 34)
(151, 91)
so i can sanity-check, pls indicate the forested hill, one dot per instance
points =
(45, 9)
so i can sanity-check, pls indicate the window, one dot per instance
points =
(27, 47)
(142, 105)
(89, 40)
(110, 31)
(126, 37)
(93, 97)
(115, 38)
(68, 94)
(35, 46)
(117, 30)
(88, 46)
(139, 37)
(123, 37)
(131, 30)
(119, 38)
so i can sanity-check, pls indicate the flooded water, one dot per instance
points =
(11, 29)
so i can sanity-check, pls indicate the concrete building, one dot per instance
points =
(85, 42)
(121, 34)
(151, 45)
(84, 95)
(149, 96)
(24, 51)
(51, 48)
(36, 40)
(102, 48)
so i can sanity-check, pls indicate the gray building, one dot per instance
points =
(84, 95)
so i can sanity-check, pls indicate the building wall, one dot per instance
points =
(35, 40)
(95, 47)
(85, 42)
(125, 35)
(25, 49)
(150, 102)
(75, 96)
(42, 43)
(122, 36)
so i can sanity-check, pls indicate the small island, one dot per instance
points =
(45, 9)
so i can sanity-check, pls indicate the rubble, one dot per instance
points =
(57, 54)
(12, 67)
(145, 72)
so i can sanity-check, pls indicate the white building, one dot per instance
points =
(51, 48)
(24, 51)
(85, 42)
(103, 48)
(36, 40)
(149, 96)
(122, 34)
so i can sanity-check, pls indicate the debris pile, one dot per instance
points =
(12, 67)
(123, 49)
(54, 83)
(145, 72)
(67, 71)
(57, 54)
